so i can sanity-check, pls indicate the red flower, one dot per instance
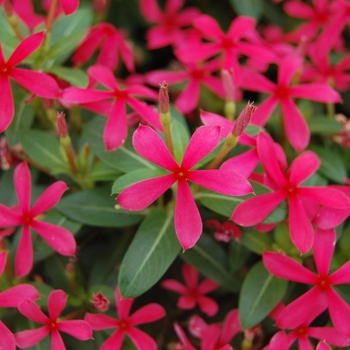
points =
(126, 324)
(36, 82)
(57, 237)
(193, 293)
(57, 300)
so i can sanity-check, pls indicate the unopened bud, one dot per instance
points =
(8, 8)
(227, 82)
(100, 302)
(62, 125)
(164, 98)
(243, 119)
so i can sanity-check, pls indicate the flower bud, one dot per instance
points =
(100, 302)
(243, 119)
(164, 98)
(227, 82)
(62, 125)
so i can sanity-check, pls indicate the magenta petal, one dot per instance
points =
(240, 26)
(24, 255)
(186, 302)
(100, 321)
(209, 27)
(231, 326)
(327, 196)
(246, 213)
(7, 339)
(38, 83)
(297, 130)
(315, 92)
(56, 303)
(23, 185)
(104, 76)
(339, 311)
(32, 311)
(342, 275)
(298, 311)
(188, 99)
(26, 48)
(303, 167)
(141, 339)
(150, 145)
(208, 305)
(330, 217)
(203, 141)
(15, 295)
(80, 95)
(76, 328)
(301, 230)
(123, 304)
(254, 81)
(207, 286)
(114, 342)
(49, 198)
(288, 68)
(188, 222)
(222, 181)
(183, 338)
(174, 286)
(330, 335)
(322, 345)
(157, 77)
(209, 118)
(285, 267)
(116, 130)
(190, 276)
(7, 109)
(69, 6)
(10, 217)
(142, 194)
(59, 238)
(29, 338)
(323, 249)
(263, 113)
(57, 341)
(148, 313)
(279, 342)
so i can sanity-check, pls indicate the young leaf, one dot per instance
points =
(152, 251)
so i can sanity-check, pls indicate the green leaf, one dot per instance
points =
(223, 204)
(151, 252)
(252, 8)
(180, 137)
(259, 294)
(256, 242)
(332, 165)
(97, 208)
(278, 214)
(100, 171)
(124, 159)
(238, 255)
(208, 257)
(75, 77)
(324, 125)
(45, 150)
(135, 176)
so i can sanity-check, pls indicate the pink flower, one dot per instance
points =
(126, 324)
(36, 82)
(68, 6)
(112, 44)
(287, 185)
(115, 132)
(193, 293)
(169, 24)
(226, 231)
(297, 130)
(323, 293)
(196, 75)
(56, 303)
(100, 302)
(188, 223)
(57, 237)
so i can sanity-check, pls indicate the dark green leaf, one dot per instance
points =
(256, 242)
(153, 249)
(252, 8)
(238, 255)
(102, 172)
(324, 125)
(210, 259)
(180, 137)
(278, 214)
(75, 77)
(259, 294)
(97, 208)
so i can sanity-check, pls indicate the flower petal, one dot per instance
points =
(150, 145)
(7, 339)
(7, 109)
(209, 27)
(208, 305)
(32, 311)
(190, 275)
(183, 338)
(69, 6)
(203, 141)
(49, 198)
(223, 181)
(15, 295)
(188, 99)
(285, 267)
(148, 313)
(114, 342)
(288, 68)
(174, 286)
(79, 95)
(141, 339)
(56, 303)
(188, 222)
(323, 249)
(207, 286)
(76, 328)
(9, 217)
(59, 238)
(100, 321)
(23, 185)
(104, 76)
(24, 255)
(209, 118)
(246, 213)
(30, 337)
(315, 92)
(327, 196)
(123, 305)
(330, 335)
(142, 194)
(231, 326)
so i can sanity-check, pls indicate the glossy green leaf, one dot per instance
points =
(208, 257)
(100, 171)
(180, 137)
(324, 125)
(151, 252)
(96, 207)
(135, 176)
(75, 77)
(278, 214)
(252, 8)
(238, 255)
(259, 294)
(256, 242)
(45, 150)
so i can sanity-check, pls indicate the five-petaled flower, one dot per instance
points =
(188, 223)
(126, 323)
(53, 325)
(59, 238)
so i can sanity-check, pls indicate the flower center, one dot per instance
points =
(181, 173)
(282, 92)
(4, 70)
(26, 219)
(123, 325)
(227, 43)
(323, 282)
